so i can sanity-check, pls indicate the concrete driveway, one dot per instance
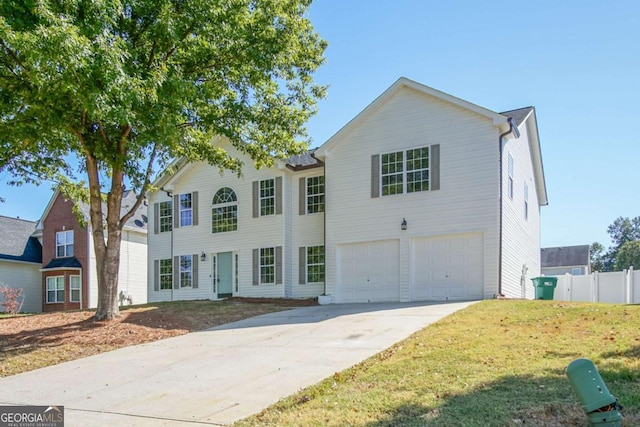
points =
(220, 375)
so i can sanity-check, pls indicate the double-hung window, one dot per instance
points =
(166, 216)
(406, 171)
(74, 287)
(315, 194)
(267, 197)
(55, 289)
(315, 264)
(186, 271)
(267, 266)
(186, 210)
(64, 244)
(166, 274)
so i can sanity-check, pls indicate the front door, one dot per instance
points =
(225, 274)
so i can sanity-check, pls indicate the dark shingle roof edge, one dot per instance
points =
(518, 114)
(564, 256)
(17, 243)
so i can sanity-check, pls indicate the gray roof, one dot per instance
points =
(519, 114)
(137, 221)
(304, 161)
(63, 263)
(16, 242)
(564, 256)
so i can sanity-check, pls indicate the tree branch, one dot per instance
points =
(13, 55)
(147, 181)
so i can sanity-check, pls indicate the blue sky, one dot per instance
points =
(577, 62)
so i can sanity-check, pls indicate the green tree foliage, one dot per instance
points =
(622, 231)
(628, 255)
(124, 86)
(597, 256)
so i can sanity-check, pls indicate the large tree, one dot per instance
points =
(628, 255)
(124, 86)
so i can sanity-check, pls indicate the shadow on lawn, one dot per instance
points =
(511, 401)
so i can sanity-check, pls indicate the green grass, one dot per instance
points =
(497, 363)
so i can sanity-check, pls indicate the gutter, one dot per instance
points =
(513, 128)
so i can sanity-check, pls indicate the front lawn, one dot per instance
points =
(497, 363)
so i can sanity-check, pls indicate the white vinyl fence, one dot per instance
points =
(618, 287)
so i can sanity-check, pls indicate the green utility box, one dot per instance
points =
(544, 287)
(597, 401)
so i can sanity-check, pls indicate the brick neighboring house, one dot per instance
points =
(69, 277)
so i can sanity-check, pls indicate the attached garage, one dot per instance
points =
(369, 272)
(448, 267)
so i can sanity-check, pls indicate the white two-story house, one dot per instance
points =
(421, 196)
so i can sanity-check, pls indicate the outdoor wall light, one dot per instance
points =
(403, 225)
(203, 256)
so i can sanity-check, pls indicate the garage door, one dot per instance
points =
(448, 268)
(368, 272)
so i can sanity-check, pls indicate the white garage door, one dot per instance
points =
(448, 268)
(368, 272)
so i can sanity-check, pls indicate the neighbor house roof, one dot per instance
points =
(564, 256)
(137, 222)
(63, 263)
(17, 242)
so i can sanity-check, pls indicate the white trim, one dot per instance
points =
(44, 270)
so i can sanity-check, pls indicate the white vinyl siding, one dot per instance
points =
(468, 189)
(132, 275)
(510, 177)
(16, 275)
(521, 235)
(252, 232)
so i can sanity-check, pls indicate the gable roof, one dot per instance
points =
(564, 256)
(304, 161)
(522, 116)
(138, 222)
(17, 242)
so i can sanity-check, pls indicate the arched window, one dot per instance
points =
(224, 211)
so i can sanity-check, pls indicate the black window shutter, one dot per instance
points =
(176, 211)
(278, 265)
(176, 272)
(156, 218)
(302, 265)
(256, 196)
(256, 266)
(156, 274)
(375, 176)
(435, 167)
(302, 195)
(194, 207)
(279, 195)
(194, 271)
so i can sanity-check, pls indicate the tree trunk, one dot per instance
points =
(108, 308)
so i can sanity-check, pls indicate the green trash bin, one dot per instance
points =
(544, 287)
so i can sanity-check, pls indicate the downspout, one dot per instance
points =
(512, 129)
